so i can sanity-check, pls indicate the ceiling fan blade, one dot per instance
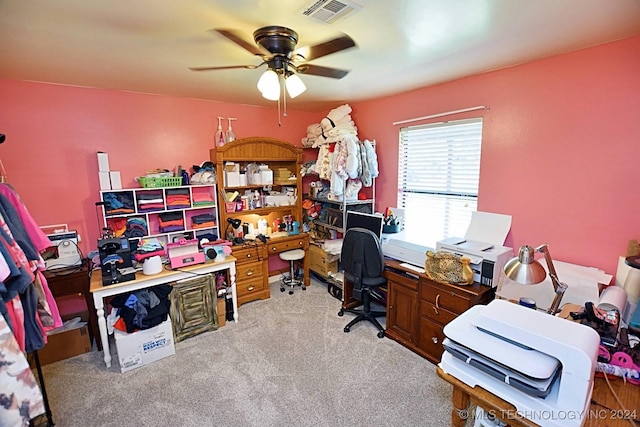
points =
(318, 70)
(227, 67)
(237, 38)
(326, 48)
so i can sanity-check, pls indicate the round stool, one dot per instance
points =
(292, 281)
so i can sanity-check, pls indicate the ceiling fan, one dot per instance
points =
(276, 46)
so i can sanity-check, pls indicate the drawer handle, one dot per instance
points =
(435, 340)
(250, 288)
(437, 307)
(248, 255)
(300, 243)
(274, 249)
(249, 272)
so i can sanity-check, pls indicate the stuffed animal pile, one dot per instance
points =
(347, 163)
(331, 128)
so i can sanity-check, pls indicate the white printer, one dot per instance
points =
(487, 260)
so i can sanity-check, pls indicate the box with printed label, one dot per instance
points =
(144, 346)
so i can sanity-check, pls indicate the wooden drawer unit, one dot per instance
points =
(440, 303)
(319, 261)
(287, 244)
(251, 273)
(402, 307)
(418, 308)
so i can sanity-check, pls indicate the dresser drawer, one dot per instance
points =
(436, 313)
(248, 254)
(287, 245)
(250, 270)
(246, 287)
(401, 279)
(445, 297)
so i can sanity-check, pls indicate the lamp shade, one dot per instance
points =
(295, 85)
(269, 85)
(234, 222)
(525, 269)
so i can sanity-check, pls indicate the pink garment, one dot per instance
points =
(53, 306)
(38, 238)
(4, 269)
(14, 309)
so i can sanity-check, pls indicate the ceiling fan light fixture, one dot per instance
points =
(272, 94)
(269, 82)
(295, 85)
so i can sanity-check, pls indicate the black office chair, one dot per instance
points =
(362, 261)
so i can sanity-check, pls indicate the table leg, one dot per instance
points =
(102, 325)
(306, 264)
(234, 294)
(460, 412)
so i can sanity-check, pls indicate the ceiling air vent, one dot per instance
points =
(330, 11)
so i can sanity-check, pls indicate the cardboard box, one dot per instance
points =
(105, 180)
(221, 311)
(231, 174)
(266, 177)
(103, 162)
(66, 344)
(321, 262)
(116, 181)
(145, 346)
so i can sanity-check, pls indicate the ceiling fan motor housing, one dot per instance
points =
(277, 40)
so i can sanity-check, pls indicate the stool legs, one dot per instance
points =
(292, 281)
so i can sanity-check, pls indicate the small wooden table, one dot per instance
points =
(604, 410)
(100, 291)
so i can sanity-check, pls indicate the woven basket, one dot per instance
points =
(156, 182)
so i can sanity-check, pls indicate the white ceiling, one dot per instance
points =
(148, 45)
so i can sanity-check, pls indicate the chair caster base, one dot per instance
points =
(381, 334)
(346, 329)
(290, 292)
(341, 313)
(281, 289)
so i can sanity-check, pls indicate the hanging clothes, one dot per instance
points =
(25, 298)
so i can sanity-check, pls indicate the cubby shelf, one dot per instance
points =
(167, 213)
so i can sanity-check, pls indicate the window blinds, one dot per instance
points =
(438, 175)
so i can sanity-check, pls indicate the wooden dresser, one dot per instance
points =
(418, 308)
(252, 271)
(252, 264)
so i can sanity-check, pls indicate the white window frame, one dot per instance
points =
(438, 179)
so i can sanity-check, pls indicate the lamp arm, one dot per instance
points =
(558, 286)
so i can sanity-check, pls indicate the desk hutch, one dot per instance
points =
(252, 257)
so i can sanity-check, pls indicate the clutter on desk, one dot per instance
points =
(446, 267)
(619, 351)
(391, 222)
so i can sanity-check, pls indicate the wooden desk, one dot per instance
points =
(166, 276)
(606, 413)
(74, 281)
(418, 308)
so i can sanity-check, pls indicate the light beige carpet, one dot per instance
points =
(287, 362)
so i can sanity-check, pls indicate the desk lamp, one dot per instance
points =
(232, 223)
(524, 269)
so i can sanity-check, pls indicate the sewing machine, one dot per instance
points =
(541, 364)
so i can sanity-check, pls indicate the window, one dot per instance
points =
(438, 175)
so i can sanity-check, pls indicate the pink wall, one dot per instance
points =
(571, 127)
(573, 120)
(53, 134)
